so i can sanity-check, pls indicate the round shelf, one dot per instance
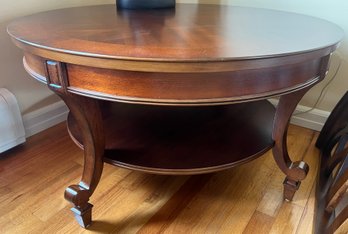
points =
(183, 140)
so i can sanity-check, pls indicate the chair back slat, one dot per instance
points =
(337, 120)
(337, 191)
(332, 184)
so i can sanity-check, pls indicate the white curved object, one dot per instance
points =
(11, 125)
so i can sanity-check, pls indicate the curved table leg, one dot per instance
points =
(87, 113)
(295, 171)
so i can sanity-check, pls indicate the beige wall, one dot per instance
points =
(335, 11)
(32, 95)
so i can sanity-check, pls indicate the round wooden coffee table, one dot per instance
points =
(176, 91)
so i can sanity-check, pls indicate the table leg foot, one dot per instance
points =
(290, 188)
(83, 215)
(82, 209)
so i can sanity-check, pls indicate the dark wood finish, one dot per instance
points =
(193, 55)
(209, 36)
(332, 185)
(162, 88)
(295, 171)
(184, 140)
(89, 121)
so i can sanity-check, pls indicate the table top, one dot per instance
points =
(189, 55)
(190, 32)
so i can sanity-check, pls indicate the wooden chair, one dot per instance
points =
(332, 185)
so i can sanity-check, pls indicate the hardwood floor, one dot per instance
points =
(245, 199)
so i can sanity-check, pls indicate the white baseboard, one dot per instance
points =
(55, 113)
(315, 119)
(46, 117)
(11, 143)
(307, 118)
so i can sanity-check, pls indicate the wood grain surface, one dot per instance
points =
(188, 32)
(240, 200)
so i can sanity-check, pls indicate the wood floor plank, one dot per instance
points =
(249, 196)
(245, 199)
(306, 223)
(271, 201)
(259, 223)
(150, 206)
(288, 219)
(169, 212)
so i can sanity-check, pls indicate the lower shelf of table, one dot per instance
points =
(183, 140)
